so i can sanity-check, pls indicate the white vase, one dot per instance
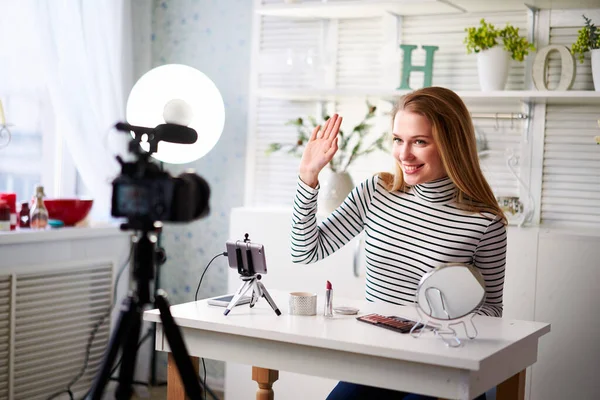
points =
(596, 68)
(334, 189)
(492, 66)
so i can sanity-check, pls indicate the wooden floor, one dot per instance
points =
(160, 393)
(153, 393)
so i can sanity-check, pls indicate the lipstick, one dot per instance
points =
(328, 300)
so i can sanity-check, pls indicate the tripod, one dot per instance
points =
(258, 290)
(250, 279)
(127, 331)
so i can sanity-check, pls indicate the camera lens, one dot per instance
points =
(190, 199)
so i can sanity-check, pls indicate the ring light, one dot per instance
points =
(179, 94)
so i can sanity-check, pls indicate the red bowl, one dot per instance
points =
(69, 211)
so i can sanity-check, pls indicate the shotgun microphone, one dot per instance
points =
(172, 133)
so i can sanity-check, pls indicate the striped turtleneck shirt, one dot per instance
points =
(407, 234)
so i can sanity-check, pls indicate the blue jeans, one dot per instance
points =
(353, 391)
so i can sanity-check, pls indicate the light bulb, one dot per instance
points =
(178, 111)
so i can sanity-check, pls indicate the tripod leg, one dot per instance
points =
(130, 349)
(268, 297)
(256, 293)
(121, 331)
(238, 295)
(190, 379)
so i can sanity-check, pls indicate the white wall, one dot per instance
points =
(567, 296)
(214, 37)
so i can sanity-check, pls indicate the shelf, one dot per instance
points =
(357, 9)
(376, 8)
(533, 96)
(21, 236)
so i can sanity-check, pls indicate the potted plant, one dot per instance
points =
(494, 48)
(588, 39)
(352, 145)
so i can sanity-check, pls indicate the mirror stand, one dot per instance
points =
(444, 328)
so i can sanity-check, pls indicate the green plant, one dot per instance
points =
(588, 38)
(486, 36)
(351, 145)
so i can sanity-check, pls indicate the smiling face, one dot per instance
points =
(415, 150)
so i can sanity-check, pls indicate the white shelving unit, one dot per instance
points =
(354, 9)
(376, 8)
(527, 96)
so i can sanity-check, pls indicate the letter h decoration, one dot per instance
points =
(408, 67)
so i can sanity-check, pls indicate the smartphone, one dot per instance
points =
(247, 257)
(223, 301)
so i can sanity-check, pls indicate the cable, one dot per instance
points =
(94, 331)
(196, 299)
(206, 269)
(146, 336)
(204, 382)
(139, 383)
(142, 340)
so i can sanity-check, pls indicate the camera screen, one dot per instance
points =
(132, 200)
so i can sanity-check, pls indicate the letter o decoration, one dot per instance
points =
(567, 71)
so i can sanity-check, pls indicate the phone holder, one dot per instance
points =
(248, 268)
(250, 279)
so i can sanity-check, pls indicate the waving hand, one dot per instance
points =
(319, 150)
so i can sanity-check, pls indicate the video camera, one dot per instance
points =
(147, 196)
(144, 193)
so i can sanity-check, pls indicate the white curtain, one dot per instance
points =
(85, 47)
(20, 66)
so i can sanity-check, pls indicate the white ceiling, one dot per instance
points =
(508, 5)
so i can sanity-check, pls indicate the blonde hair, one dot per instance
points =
(454, 135)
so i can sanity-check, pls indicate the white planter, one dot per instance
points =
(492, 66)
(334, 189)
(596, 68)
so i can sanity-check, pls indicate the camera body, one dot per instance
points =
(144, 193)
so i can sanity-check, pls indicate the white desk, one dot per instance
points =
(345, 349)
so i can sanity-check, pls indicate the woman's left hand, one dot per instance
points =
(319, 150)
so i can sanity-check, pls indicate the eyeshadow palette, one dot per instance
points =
(396, 324)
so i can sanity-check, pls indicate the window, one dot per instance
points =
(36, 153)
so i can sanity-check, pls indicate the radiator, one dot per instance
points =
(46, 318)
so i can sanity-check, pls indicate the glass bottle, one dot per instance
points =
(4, 216)
(24, 215)
(39, 214)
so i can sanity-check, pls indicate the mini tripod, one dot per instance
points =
(127, 331)
(258, 290)
(250, 279)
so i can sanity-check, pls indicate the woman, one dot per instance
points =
(436, 208)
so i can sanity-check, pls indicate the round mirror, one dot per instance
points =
(451, 291)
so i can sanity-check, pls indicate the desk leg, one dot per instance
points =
(265, 379)
(175, 388)
(513, 388)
